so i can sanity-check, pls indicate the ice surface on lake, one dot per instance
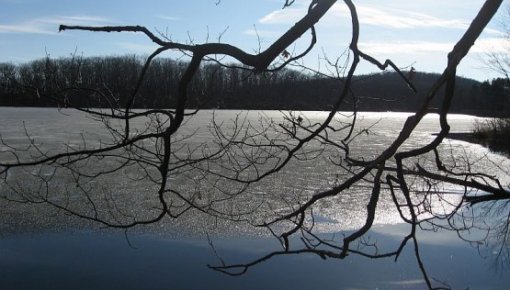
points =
(68, 130)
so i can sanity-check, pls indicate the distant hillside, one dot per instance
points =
(375, 92)
(110, 80)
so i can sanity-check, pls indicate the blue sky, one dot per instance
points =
(418, 32)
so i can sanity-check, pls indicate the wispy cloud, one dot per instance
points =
(369, 15)
(27, 27)
(484, 45)
(399, 47)
(262, 33)
(491, 45)
(286, 16)
(48, 25)
(403, 19)
(169, 18)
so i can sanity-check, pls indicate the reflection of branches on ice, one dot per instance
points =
(145, 167)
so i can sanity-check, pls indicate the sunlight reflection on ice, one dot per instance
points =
(295, 183)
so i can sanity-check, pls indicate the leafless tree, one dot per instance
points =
(498, 61)
(169, 174)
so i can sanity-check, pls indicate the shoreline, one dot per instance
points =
(497, 146)
(483, 114)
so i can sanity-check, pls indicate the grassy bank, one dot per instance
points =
(493, 133)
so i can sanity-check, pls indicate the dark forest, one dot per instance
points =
(109, 81)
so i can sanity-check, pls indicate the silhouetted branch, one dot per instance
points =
(230, 173)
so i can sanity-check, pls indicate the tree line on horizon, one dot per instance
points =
(108, 82)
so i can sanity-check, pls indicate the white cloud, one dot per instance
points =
(262, 33)
(398, 18)
(81, 20)
(27, 27)
(484, 45)
(491, 45)
(284, 16)
(408, 47)
(169, 18)
(49, 25)
(369, 15)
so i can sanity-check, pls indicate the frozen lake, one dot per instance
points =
(40, 244)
